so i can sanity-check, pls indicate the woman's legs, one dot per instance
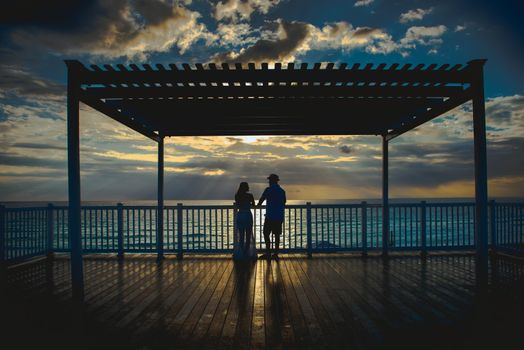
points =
(248, 238)
(242, 237)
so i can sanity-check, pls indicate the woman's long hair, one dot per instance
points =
(243, 188)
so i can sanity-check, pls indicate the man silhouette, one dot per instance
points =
(276, 199)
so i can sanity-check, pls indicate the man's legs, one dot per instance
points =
(277, 231)
(267, 237)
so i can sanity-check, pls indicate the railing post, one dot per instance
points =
(179, 215)
(120, 230)
(50, 230)
(3, 262)
(493, 225)
(308, 231)
(424, 249)
(364, 218)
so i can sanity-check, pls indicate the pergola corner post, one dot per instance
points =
(160, 203)
(385, 197)
(73, 169)
(481, 177)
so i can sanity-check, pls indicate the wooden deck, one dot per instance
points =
(330, 301)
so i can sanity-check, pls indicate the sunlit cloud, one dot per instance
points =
(291, 40)
(142, 157)
(236, 10)
(414, 15)
(344, 159)
(361, 3)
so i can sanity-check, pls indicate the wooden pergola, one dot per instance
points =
(185, 100)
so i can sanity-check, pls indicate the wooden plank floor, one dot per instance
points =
(210, 302)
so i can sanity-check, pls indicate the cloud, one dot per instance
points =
(241, 10)
(414, 15)
(345, 149)
(120, 28)
(292, 39)
(424, 36)
(361, 3)
(342, 35)
(286, 41)
(17, 81)
(460, 28)
(27, 161)
(38, 146)
(235, 34)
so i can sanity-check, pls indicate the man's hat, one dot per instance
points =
(273, 177)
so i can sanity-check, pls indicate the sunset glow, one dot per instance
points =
(435, 160)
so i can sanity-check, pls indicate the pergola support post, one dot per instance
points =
(160, 204)
(385, 197)
(73, 162)
(481, 178)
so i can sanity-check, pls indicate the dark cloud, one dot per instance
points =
(345, 149)
(502, 111)
(100, 27)
(102, 23)
(503, 157)
(155, 12)
(39, 146)
(16, 80)
(276, 50)
(17, 160)
(415, 165)
(364, 32)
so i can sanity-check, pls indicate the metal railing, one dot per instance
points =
(311, 228)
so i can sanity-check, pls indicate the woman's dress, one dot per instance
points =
(244, 245)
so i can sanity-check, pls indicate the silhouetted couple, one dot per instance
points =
(245, 245)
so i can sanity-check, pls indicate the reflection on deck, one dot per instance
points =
(204, 302)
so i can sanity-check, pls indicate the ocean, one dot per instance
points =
(333, 224)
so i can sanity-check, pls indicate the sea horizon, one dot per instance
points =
(171, 202)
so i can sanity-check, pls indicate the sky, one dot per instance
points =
(118, 164)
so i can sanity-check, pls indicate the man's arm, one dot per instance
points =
(284, 196)
(262, 198)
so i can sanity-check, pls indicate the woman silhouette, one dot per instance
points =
(244, 247)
